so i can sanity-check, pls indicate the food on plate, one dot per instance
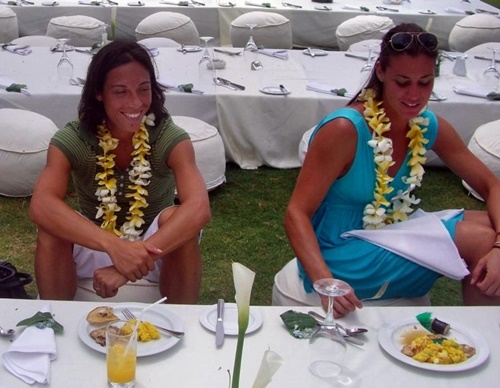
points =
(145, 332)
(100, 315)
(99, 335)
(434, 325)
(437, 349)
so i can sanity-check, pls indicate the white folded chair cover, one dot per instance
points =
(173, 25)
(272, 30)
(473, 30)
(80, 30)
(9, 28)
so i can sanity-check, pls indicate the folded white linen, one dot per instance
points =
(271, 362)
(90, 2)
(257, 4)
(178, 88)
(29, 356)
(422, 239)
(327, 89)
(474, 92)
(351, 7)
(456, 10)
(6, 82)
(281, 54)
(18, 49)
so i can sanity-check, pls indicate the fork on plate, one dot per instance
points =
(130, 315)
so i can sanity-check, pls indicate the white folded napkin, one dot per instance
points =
(474, 92)
(281, 54)
(177, 88)
(456, 10)
(327, 89)
(18, 49)
(6, 82)
(263, 4)
(29, 356)
(90, 2)
(271, 362)
(179, 3)
(422, 239)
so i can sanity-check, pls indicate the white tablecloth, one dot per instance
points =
(195, 362)
(257, 129)
(310, 27)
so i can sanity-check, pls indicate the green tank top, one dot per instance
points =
(80, 146)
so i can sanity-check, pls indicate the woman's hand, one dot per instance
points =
(343, 305)
(486, 274)
(107, 280)
(133, 259)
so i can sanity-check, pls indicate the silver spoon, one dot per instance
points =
(349, 332)
(6, 333)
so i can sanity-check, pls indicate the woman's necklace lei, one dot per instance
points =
(139, 175)
(380, 211)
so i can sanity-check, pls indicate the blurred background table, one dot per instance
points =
(195, 361)
(257, 129)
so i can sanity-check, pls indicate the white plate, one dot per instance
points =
(274, 90)
(161, 317)
(209, 318)
(426, 12)
(316, 52)
(190, 49)
(389, 337)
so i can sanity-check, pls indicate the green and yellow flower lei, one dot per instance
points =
(139, 175)
(381, 211)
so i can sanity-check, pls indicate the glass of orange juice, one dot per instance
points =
(121, 355)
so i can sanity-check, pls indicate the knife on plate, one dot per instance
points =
(219, 326)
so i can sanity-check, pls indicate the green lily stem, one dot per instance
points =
(237, 358)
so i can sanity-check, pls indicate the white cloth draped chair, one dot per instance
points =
(361, 28)
(156, 42)
(9, 28)
(172, 25)
(473, 30)
(80, 30)
(271, 30)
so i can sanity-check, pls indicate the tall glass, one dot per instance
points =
(251, 51)
(64, 66)
(491, 76)
(121, 355)
(206, 67)
(368, 66)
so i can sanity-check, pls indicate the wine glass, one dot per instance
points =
(251, 51)
(206, 57)
(492, 68)
(64, 66)
(328, 345)
(368, 66)
(206, 67)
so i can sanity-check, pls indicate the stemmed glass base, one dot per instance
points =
(491, 75)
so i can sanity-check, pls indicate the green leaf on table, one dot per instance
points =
(364, 9)
(425, 320)
(183, 3)
(493, 96)
(16, 88)
(188, 88)
(339, 92)
(267, 5)
(42, 320)
(299, 325)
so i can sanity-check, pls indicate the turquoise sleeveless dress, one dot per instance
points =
(363, 265)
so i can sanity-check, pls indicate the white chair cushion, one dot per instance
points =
(24, 139)
(360, 28)
(473, 30)
(81, 30)
(158, 42)
(171, 25)
(272, 30)
(9, 28)
(36, 40)
(208, 149)
(485, 144)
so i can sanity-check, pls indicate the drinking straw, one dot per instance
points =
(134, 332)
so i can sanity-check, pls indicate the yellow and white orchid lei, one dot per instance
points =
(139, 175)
(380, 211)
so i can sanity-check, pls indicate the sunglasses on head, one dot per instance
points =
(400, 41)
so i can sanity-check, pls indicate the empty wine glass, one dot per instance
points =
(251, 51)
(492, 68)
(368, 66)
(206, 57)
(328, 346)
(64, 66)
(206, 68)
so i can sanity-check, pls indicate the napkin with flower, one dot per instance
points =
(458, 11)
(17, 48)
(281, 54)
(327, 89)
(10, 86)
(29, 356)
(183, 88)
(476, 92)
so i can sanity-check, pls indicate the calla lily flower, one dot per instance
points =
(243, 282)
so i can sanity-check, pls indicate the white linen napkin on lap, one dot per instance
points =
(422, 239)
(327, 89)
(281, 54)
(474, 92)
(29, 356)
(456, 10)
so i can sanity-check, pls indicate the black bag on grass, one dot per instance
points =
(12, 282)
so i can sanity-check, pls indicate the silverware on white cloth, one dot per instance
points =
(263, 5)
(283, 90)
(231, 53)
(291, 5)
(16, 49)
(6, 332)
(219, 326)
(241, 87)
(350, 332)
(486, 58)
(130, 315)
(228, 84)
(358, 56)
(380, 8)
(310, 52)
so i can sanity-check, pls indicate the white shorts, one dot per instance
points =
(288, 290)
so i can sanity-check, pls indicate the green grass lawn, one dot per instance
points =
(246, 227)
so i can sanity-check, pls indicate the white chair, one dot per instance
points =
(361, 28)
(36, 40)
(24, 139)
(80, 30)
(485, 144)
(158, 42)
(271, 30)
(208, 149)
(171, 25)
(473, 30)
(9, 28)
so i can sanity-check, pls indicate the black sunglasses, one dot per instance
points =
(400, 41)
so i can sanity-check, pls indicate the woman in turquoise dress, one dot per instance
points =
(349, 216)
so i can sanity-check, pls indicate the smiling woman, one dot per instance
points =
(126, 158)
